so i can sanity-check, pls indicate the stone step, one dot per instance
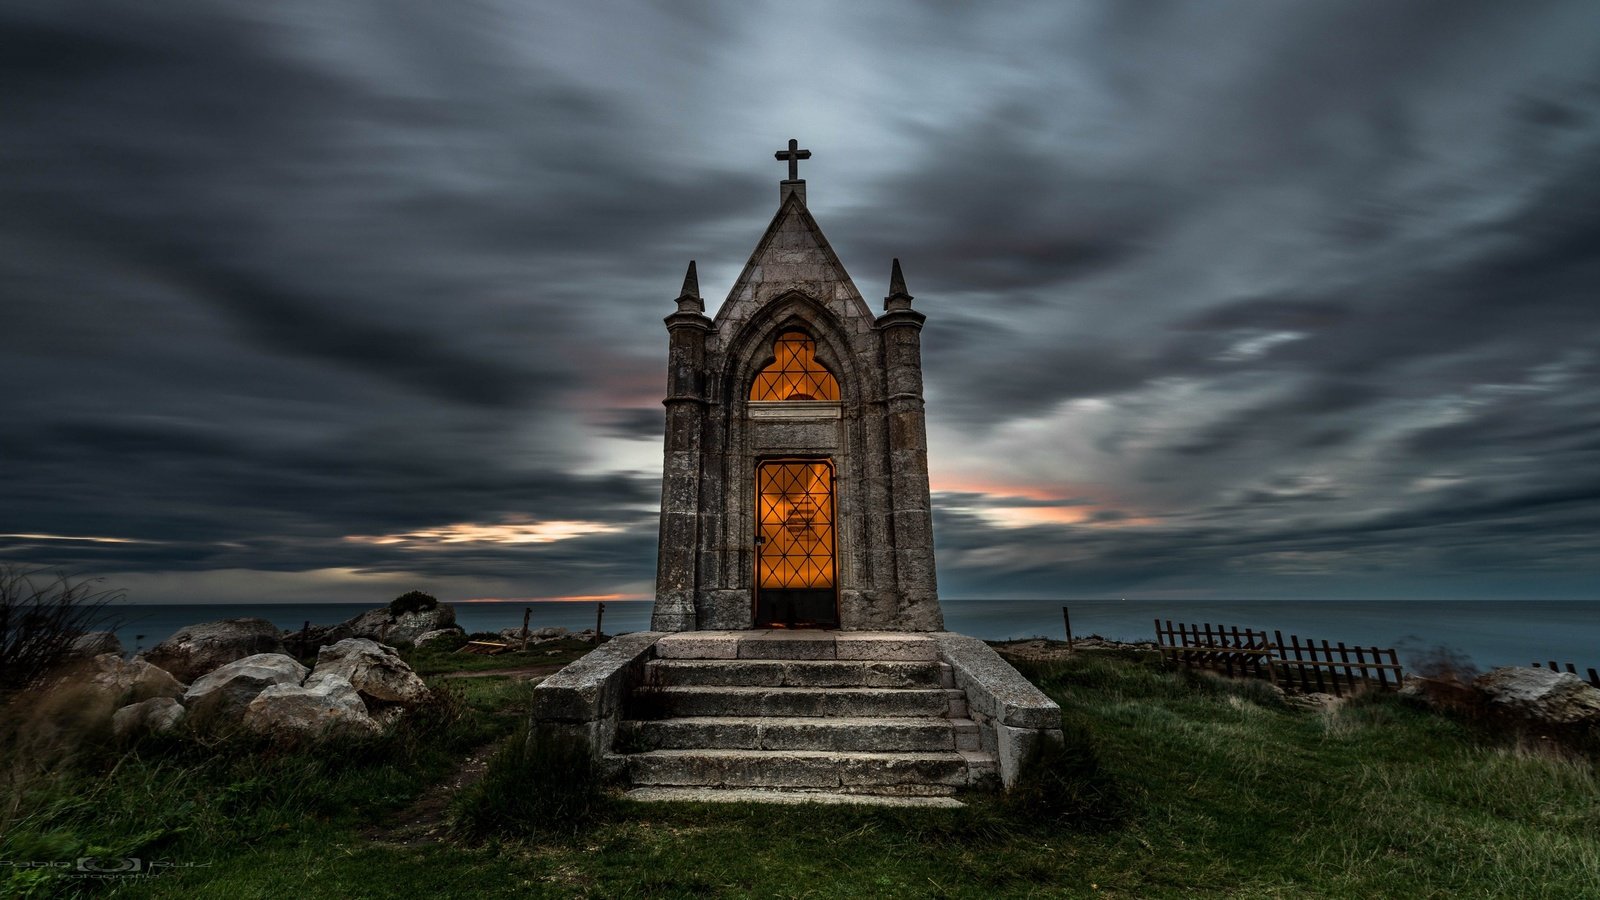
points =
(852, 733)
(798, 673)
(905, 774)
(682, 702)
(799, 644)
(768, 795)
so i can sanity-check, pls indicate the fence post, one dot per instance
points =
(599, 614)
(1066, 617)
(526, 612)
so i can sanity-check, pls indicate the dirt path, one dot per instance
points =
(424, 821)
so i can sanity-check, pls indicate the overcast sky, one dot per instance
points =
(327, 299)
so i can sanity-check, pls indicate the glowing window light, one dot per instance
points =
(794, 373)
(795, 511)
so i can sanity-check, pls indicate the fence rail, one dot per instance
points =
(1306, 665)
(1594, 678)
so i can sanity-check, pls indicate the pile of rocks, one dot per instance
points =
(381, 624)
(1049, 649)
(545, 635)
(241, 679)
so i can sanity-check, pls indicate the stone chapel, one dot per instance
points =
(794, 488)
(797, 645)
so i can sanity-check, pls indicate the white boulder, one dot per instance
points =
(428, 637)
(1556, 698)
(224, 694)
(125, 681)
(375, 670)
(156, 715)
(328, 707)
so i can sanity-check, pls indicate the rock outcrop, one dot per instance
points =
(382, 624)
(221, 697)
(325, 707)
(375, 670)
(153, 716)
(193, 651)
(1541, 695)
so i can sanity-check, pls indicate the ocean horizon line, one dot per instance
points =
(602, 599)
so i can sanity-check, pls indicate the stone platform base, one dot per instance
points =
(814, 713)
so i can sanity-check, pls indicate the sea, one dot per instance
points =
(1478, 633)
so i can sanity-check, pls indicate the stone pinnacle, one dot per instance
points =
(691, 283)
(899, 298)
(897, 281)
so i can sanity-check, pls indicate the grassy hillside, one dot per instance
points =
(1222, 789)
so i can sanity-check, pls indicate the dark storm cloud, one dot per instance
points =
(1264, 292)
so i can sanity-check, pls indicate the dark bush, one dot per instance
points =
(543, 782)
(1061, 784)
(412, 601)
(40, 616)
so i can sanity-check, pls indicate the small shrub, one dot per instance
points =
(543, 782)
(1440, 662)
(1061, 784)
(1255, 690)
(412, 601)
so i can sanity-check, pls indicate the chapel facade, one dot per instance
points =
(795, 477)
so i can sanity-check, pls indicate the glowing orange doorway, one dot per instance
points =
(796, 583)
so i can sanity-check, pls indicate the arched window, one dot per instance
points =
(794, 373)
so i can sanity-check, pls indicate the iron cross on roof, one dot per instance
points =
(794, 156)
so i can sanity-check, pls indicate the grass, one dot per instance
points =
(434, 660)
(542, 781)
(1223, 789)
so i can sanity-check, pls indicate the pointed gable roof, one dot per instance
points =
(793, 255)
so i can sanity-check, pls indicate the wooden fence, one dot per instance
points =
(1304, 665)
(1594, 678)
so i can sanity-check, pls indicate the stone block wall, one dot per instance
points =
(1011, 713)
(875, 435)
(586, 697)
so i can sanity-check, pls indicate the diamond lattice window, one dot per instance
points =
(794, 373)
(796, 515)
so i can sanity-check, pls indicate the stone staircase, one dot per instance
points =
(798, 716)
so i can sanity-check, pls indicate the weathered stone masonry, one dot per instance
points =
(875, 436)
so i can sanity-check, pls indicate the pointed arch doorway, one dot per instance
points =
(796, 544)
